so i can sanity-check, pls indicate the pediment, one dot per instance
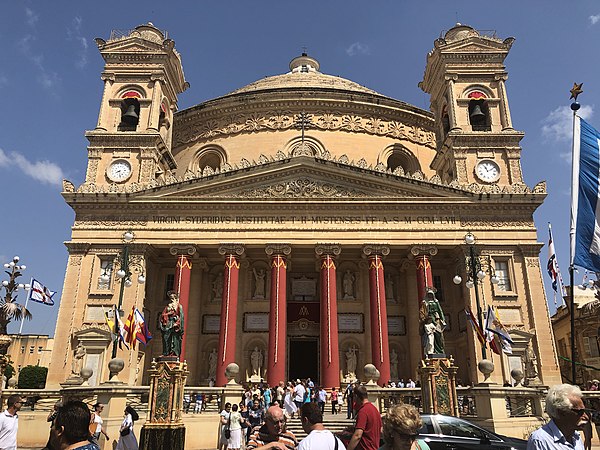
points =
(477, 45)
(130, 45)
(302, 178)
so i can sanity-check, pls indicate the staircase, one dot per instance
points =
(333, 422)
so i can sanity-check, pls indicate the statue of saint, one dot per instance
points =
(348, 285)
(77, 363)
(433, 323)
(389, 288)
(171, 326)
(212, 364)
(217, 287)
(256, 360)
(394, 365)
(259, 283)
(351, 360)
(530, 363)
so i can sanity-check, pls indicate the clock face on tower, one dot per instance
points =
(487, 170)
(119, 170)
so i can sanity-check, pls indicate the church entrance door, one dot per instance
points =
(304, 359)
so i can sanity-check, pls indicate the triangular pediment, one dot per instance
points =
(302, 178)
(132, 44)
(478, 44)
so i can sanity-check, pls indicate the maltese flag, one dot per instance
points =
(40, 293)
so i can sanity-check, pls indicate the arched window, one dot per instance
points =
(479, 113)
(399, 156)
(130, 111)
(213, 157)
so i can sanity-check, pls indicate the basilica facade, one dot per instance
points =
(301, 220)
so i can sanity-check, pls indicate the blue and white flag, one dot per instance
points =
(553, 270)
(585, 198)
(40, 293)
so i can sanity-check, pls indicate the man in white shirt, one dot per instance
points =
(299, 392)
(9, 423)
(318, 437)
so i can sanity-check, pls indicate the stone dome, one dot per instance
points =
(304, 73)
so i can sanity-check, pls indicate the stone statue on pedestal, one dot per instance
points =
(256, 360)
(433, 324)
(351, 361)
(348, 285)
(259, 283)
(77, 362)
(394, 365)
(171, 326)
(212, 364)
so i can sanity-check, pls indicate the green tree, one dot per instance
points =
(32, 377)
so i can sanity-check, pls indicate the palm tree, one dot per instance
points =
(9, 308)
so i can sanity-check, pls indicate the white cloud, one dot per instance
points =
(43, 171)
(595, 19)
(32, 17)
(358, 48)
(558, 124)
(47, 78)
(74, 34)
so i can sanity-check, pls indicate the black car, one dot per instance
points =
(451, 433)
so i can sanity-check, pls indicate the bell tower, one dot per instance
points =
(142, 77)
(465, 77)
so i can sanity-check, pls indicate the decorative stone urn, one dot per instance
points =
(231, 372)
(85, 373)
(517, 375)
(115, 366)
(371, 374)
(486, 367)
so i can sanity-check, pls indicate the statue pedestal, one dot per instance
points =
(164, 427)
(438, 386)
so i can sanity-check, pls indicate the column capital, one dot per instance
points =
(278, 249)
(231, 249)
(328, 249)
(183, 249)
(376, 249)
(423, 250)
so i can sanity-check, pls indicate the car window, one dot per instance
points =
(427, 427)
(459, 428)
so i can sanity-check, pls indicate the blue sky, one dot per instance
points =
(50, 87)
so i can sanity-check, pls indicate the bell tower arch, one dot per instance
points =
(143, 76)
(465, 77)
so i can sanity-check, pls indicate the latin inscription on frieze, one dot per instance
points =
(306, 220)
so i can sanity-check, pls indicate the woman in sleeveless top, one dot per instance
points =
(401, 427)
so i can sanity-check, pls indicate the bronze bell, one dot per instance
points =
(477, 115)
(130, 117)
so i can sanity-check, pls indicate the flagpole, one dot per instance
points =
(574, 107)
(26, 303)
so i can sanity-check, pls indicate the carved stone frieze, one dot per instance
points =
(328, 249)
(302, 188)
(75, 260)
(532, 262)
(376, 249)
(278, 120)
(278, 249)
(90, 221)
(496, 222)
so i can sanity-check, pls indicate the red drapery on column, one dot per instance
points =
(424, 276)
(380, 348)
(277, 320)
(182, 287)
(330, 355)
(227, 341)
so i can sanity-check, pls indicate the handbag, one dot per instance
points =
(125, 431)
(227, 431)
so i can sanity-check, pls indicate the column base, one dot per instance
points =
(154, 437)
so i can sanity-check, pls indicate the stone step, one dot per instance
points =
(333, 423)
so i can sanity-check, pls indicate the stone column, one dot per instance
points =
(380, 348)
(330, 354)
(183, 272)
(424, 276)
(278, 313)
(227, 330)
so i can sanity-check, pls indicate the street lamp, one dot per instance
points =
(477, 269)
(10, 309)
(126, 263)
